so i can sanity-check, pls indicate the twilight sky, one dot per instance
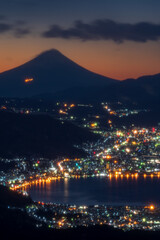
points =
(116, 38)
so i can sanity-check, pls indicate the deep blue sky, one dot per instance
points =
(62, 11)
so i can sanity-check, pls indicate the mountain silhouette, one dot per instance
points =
(49, 72)
(51, 75)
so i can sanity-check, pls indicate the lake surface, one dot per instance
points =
(89, 191)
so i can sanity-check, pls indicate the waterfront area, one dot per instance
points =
(60, 216)
(124, 161)
(118, 153)
(111, 183)
(69, 216)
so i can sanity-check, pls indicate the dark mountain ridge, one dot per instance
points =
(40, 135)
(144, 91)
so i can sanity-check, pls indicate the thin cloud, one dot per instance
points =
(106, 30)
(21, 32)
(17, 29)
(4, 27)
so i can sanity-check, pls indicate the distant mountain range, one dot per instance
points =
(51, 75)
(143, 91)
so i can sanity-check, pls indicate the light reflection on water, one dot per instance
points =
(88, 191)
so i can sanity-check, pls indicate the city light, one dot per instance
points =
(27, 80)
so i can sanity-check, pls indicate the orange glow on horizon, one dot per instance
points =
(122, 61)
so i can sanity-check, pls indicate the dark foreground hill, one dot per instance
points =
(27, 231)
(39, 135)
(13, 199)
